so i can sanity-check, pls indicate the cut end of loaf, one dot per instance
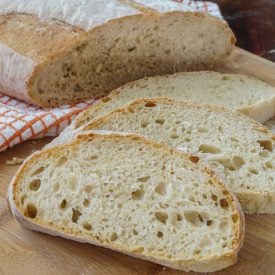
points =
(134, 196)
(128, 49)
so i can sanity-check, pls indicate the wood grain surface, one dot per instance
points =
(27, 252)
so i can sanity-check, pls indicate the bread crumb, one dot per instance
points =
(14, 161)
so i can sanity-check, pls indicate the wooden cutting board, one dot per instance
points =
(26, 252)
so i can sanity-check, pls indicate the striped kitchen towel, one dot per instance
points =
(20, 121)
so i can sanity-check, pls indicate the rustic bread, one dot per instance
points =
(241, 150)
(234, 91)
(65, 51)
(133, 196)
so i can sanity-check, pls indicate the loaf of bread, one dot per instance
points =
(67, 51)
(233, 91)
(239, 149)
(134, 196)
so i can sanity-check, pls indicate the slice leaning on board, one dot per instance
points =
(84, 49)
(134, 196)
(233, 91)
(238, 148)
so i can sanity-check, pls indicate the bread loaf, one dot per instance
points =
(67, 51)
(239, 149)
(133, 196)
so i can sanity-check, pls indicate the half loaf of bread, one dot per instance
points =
(67, 51)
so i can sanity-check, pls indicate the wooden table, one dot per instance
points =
(27, 252)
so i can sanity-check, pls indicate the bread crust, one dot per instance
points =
(208, 264)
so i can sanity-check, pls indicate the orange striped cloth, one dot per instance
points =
(20, 121)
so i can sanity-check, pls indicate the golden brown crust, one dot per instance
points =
(212, 263)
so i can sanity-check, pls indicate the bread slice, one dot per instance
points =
(239, 149)
(134, 196)
(234, 91)
(65, 52)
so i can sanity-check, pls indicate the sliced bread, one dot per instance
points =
(246, 94)
(239, 149)
(134, 196)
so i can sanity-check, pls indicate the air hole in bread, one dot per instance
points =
(87, 226)
(113, 237)
(197, 252)
(161, 188)
(161, 217)
(209, 222)
(61, 161)
(160, 121)
(56, 187)
(159, 234)
(235, 217)
(63, 204)
(75, 215)
(119, 206)
(31, 211)
(210, 149)
(174, 136)
(202, 130)
(253, 171)
(131, 49)
(194, 159)
(204, 196)
(150, 104)
(225, 192)
(234, 139)
(168, 52)
(238, 162)
(35, 184)
(179, 217)
(88, 188)
(163, 205)
(269, 164)
(38, 171)
(223, 203)
(138, 194)
(187, 139)
(144, 124)
(193, 217)
(266, 144)
(214, 197)
(225, 77)
(93, 157)
(86, 203)
(135, 232)
(144, 179)
(23, 198)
